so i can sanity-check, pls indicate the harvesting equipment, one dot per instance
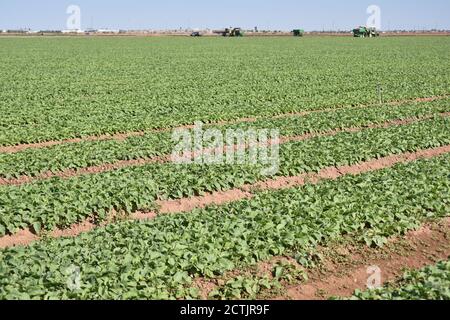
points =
(298, 32)
(231, 32)
(365, 32)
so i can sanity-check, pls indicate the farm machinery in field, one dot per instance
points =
(365, 32)
(298, 32)
(230, 32)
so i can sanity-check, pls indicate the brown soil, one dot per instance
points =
(189, 204)
(21, 238)
(74, 230)
(70, 173)
(125, 135)
(46, 144)
(334, 173)
(346, 268)
(246, 192)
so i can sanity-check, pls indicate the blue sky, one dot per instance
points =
(266, 14)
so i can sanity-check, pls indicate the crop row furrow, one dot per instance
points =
(158, 259)
(110, 154)
(121, 136)
(56, 202)
(136, 85)
(26, 237)
(66, 174)
(336, 270)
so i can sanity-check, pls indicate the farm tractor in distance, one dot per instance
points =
(365, 32)
(298, 32)
(231, 32)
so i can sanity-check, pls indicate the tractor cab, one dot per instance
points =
(298, 32)
(231, 32)
(365, 32)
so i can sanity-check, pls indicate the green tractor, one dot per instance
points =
(235, 32)
(230, 32)
(365, 32)
(298, 32)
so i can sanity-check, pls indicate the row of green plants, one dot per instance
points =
(64, 88)
(253, 285)
(429, 283)
(159, 259)
(61, 202)
(79, 155)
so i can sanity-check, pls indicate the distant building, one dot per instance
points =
(73, 31)
(107, 31)
(50, 31)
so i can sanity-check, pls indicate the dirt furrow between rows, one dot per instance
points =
(417, 250)
(125, 135)
(71, 173)
(26, 237)
(330, 173)
(346, 267)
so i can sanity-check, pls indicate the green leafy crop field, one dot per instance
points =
(76, 87)
(86, 137)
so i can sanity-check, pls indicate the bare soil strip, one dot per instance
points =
(126, 135)
(330, 173)
(71, 173)
(344, 267)
(26, 237)
(346, 270)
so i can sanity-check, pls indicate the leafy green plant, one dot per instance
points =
(158, 259)
(288, 272)
(58, 202)
(138, 84)
(244, 288)
(83, 154)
